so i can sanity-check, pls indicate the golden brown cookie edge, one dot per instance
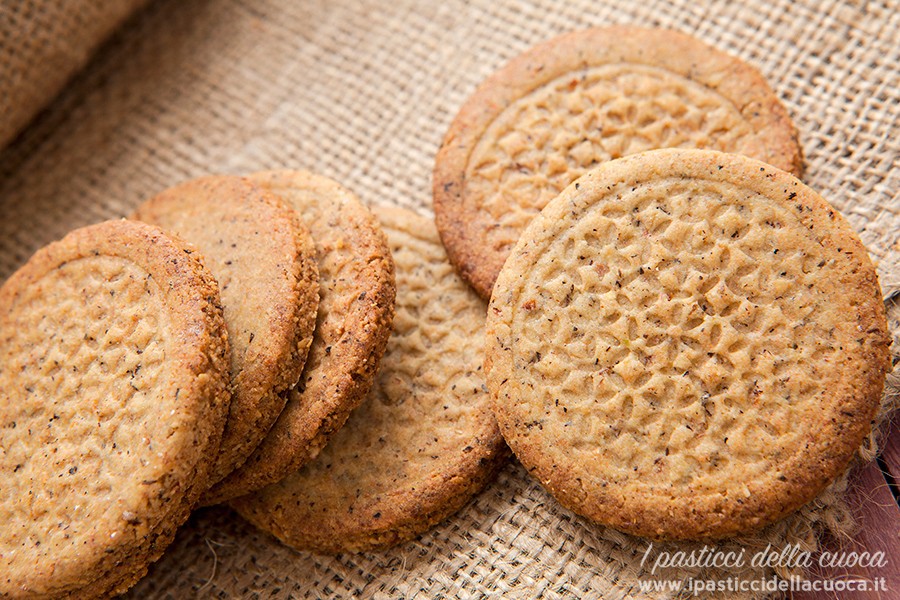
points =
(536, 66)
(658, 520)
(296, 437)
(193, 290)
(391, 519)
(279, 371)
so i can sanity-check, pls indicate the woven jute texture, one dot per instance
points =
(42, 44)
(363, 92)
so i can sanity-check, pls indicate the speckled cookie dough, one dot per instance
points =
(263, 258)
(577, 101)
(356, 308)
(113, 397)
(424, 441)
(686, 344)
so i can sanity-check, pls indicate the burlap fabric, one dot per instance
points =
(363, 92)
(42, 44)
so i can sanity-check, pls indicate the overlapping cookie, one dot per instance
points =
(356, 278)
(576, 101)
(686, 344)
(113, 398)
(263, 258)
(422, 443)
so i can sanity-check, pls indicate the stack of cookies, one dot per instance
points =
(684, 343)
(206, 350)
(675, 335)
(144, 362)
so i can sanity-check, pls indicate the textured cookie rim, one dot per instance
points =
(276, 371)
(192, 297)
(658, 518)
(394, 518)
(289, 445)
(675, 51)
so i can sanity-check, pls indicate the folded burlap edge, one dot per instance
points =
(43, 44)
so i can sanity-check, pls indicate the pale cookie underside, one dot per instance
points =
(578, 101)
(263, 258)
(686, 344)
(356, 279)
(113, 377)
(424, 440)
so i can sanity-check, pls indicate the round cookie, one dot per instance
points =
(113, 397)
(579, 100)
(686, 344)
(356, 308)
(423, 442)
(263, 258)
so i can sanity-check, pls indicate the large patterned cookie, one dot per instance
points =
(113, 397)
(686, 344)
(263, 258)
(422, 443)
(356, 307)
(577, 101)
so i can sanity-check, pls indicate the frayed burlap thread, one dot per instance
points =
(363, 91)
